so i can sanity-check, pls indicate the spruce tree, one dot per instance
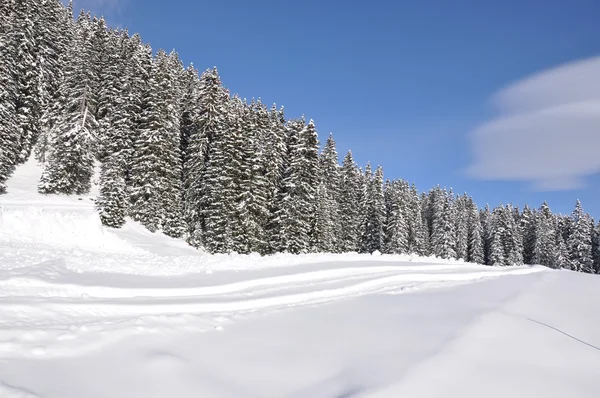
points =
(396, 229)
(28, 72)
(475, 252)
(373, 212)
(156, 168)
(327, 231)
(546, 250)
(579, 242)
(528, 225)
(9, 134)
(71, 160)
(297, 196)
(417, 234)
(461, 226)
(443, 238)
(210, 124)
(349, 204)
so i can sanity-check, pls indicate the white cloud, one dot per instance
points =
(548, 131)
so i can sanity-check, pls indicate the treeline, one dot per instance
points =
(181, 155)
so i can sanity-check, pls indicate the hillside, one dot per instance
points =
(89, 311)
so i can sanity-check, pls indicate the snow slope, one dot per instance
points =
(91, 312)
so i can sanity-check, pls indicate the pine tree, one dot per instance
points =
(417, 235)
(275, 143)
(475, 234)
(211, 124)
(327, 231)
(55, 36)
(156, 168)
(579, 242)
(528, 224)
(443, 238)
(596, 246)
(486, 226)
(396, 229)
(71, 161)
(27, 72)
(349, 204)
(497, 235)
(9, 135)
(461, 226)
(113, 200)
(373, 212)
(298, 192)
(545, 250)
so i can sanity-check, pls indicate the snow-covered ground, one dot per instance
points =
(91, 312)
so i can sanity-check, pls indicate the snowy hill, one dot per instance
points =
(86, 311)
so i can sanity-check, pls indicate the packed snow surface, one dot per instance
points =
(91, 312)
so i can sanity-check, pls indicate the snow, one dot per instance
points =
(91, 312)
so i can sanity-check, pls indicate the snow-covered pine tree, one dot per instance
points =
(373, 212)
(529, 234)
(71, 160)
(9, 134)
(485, 216)
(108, 65)
(245, 169)
(327, 230)
(113, 200)
(119, 123)
(475, 234)
(389, 204)
(545, 250)
(513, 245)
(275, 158)
(498, 237)
(322, 230)
(349, 204)
(255, 187)
(55, 36)
(28, 72)
(596, 246)
(443, 238)
(211, 124)
(417, 235)
(156, 167)
(461, 217)
(579, 242)
(396, 231)
(297, 197)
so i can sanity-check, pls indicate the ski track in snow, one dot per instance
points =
(41, 317)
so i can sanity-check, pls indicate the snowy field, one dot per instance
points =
(91, 312)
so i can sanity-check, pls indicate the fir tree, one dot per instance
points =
(210, 124)
(396, 229)
(349, 204)
(156, 168)
(298, 192)
(579, 242)
(9, 134)
(327, 231)
(373, 212)
(475, 234)
(545, 250)
(70, 163)
(416, 228)
(443, 238)
(27, 72)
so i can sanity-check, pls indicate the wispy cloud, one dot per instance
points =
(547, 132)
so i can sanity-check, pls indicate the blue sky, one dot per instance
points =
(419, 87)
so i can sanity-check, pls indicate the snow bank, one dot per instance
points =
(60, 229)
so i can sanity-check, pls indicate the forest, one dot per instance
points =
(180, 154)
